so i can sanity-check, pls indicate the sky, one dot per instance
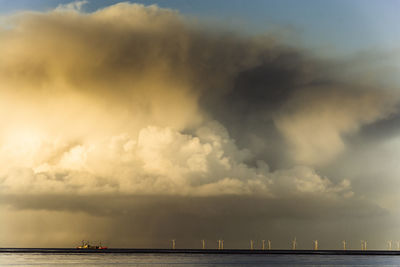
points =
(340, 26)
(135, 123)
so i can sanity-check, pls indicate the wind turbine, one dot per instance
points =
(173, 243)
(203, 242)
(344, 244)
(315, 244)
(363, 244)
(294, 243)
(269, 244)
(220, 244)
(389, 243)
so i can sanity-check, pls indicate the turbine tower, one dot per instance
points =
(344, 244)
(294, 244)
(220, 244)
(389, 243)
(363, 244)
(315, 244)
(203, 242)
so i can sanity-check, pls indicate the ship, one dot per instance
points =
(87, 245)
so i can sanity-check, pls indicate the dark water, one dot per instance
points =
(146, 259)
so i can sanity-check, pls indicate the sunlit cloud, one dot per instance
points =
(138, 106)
(73, 6)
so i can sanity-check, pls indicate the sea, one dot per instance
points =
(184, 259)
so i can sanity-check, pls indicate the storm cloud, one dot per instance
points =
(135, 114)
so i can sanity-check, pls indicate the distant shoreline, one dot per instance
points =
(202, 251)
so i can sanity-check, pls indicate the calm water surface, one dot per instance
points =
(40, 259)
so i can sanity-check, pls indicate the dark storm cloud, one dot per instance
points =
(290, 83)
(381, 130)
(256, 94)
(149, 125)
